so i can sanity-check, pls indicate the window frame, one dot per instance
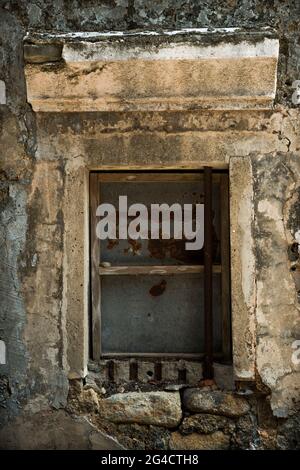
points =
(112, 176)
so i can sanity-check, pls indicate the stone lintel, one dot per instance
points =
(150, 71)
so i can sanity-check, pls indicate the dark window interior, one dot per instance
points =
(147, 296)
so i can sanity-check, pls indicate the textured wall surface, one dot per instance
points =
(35, 176)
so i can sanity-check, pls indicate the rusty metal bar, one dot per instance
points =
(157, 371)
(133, 371)
(182, 376)
(111, 371)
(208, 370)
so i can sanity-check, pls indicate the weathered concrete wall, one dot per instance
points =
(42, 156)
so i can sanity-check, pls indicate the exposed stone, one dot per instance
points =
(268, 439)
(43, 279)
(289, 433)
(266, 419)
(91, 382)
(205, 423)
(246, 434)
(86, 401)
(216, 441)
(4, 390)
(138, 436)
(90, 399)
(157, 408)
(215, 402)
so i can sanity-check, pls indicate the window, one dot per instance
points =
(160, 297)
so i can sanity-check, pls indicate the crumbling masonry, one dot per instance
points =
(57, 125)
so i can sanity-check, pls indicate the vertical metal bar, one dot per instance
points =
(111, 371)
(225, 261)
(157, 371)
(133, 370)
(182, 376)
(95, 261)
(208, 370)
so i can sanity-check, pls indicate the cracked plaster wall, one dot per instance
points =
(31, 189)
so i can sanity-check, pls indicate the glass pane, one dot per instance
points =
(156, 314)
(162, 251)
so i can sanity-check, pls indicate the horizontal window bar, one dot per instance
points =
(152, 177)
(140, 355)
(152, 270)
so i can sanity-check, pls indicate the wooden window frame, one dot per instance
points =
(113, 176)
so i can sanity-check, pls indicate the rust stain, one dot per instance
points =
(160, 249)
(134, 248)
(111, 244)
(158, 289)
(175, 249)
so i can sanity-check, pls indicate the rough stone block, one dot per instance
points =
(205, 424)
(157, 408)
(215, 441)
(215, 402)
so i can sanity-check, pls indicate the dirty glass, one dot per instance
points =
(159, 314)
(156, 314)
(162, 251)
